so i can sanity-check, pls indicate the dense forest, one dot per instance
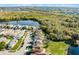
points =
(56, 26)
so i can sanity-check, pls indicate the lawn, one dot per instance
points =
(1, 36)
(57, 48)
(10, 38)
(19, 43)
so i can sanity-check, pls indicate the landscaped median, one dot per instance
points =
(19, 43)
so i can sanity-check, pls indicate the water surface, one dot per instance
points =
(22, 22)
(74, 50)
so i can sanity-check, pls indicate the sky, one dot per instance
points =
(39, 1)
(54, 5)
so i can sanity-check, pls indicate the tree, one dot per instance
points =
(24, 27)
(74, 38)
(2, 45)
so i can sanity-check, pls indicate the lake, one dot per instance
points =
(22, 23)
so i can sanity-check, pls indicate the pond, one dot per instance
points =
(22, 22)
(73, 50)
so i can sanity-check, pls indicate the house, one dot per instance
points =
(12, 43)
(1, 31)
(3, 39)
(37, 43)
(20, 34)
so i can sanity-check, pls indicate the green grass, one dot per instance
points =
(57, 48)
(10, 38)
(1, 36)
(19, 43)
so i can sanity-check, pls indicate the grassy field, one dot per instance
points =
(57, 48)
